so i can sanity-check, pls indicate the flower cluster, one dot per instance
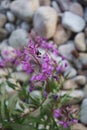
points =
(64, 116)
(40, 60)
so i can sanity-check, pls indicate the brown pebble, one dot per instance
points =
(75, 53)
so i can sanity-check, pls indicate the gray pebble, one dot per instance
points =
(25, 26)
(83, 112)
(10, 16)
(9, 27)
(73, 22)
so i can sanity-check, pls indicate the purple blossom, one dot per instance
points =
(27, 67)
(64, 124)
(45, 93)
(75, 121)
(2, 63)
(59, 68)
(55, 97)
(31, 88)
(57, 113)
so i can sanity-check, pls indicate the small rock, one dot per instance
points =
(62, 35)
(10, 16)
(86, 33)
(80, 42)
(83, 58)
(5, 4)
(18, 38)
(76, 96)
(77, 63)
(85, 90)
(83, 111)
(25, 26)
(3, 34)
(80, 80)
(78, 126)
(2, 20)
(56, 6)
(69, 84)
(77, 9)
(20, 76)
(66, 50)
(85, 14)
(45, 2)
(75, 25)
(84, 2)
(70, 73)
(9, 27)
(64, 4)
(45, 21)
(3, 44)
(24, 9)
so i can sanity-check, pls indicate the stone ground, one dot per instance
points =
(62, 21)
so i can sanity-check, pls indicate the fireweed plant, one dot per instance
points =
(38, 103)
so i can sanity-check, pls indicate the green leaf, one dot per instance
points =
(3, 108)
(12, 103)
(13, 86)
(16, 126)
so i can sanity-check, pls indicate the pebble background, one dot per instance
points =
(61, 21)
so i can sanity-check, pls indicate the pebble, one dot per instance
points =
(76, 95)
(9, 27)
(5, 4)
(78, 126)
(25, 26)
(45, 2)
(85, 90)
(56, 7)
(80, 42)
(64, 4)
(3, 44)
(77, 9)
(18, 38)
(3, 34)
(70, 73)
(45, 21)
(67, 49)
(85, 14)
(2, 20)
(84, 2)
(75, 25)
(20, 76)
(83, 58)
(83, 111)
(86, 33)
(69, 84)
(24, 9)
(77, 63)
(10, 16)
(80, 80)
(62, 35)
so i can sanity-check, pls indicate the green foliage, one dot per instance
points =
(13, 115)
